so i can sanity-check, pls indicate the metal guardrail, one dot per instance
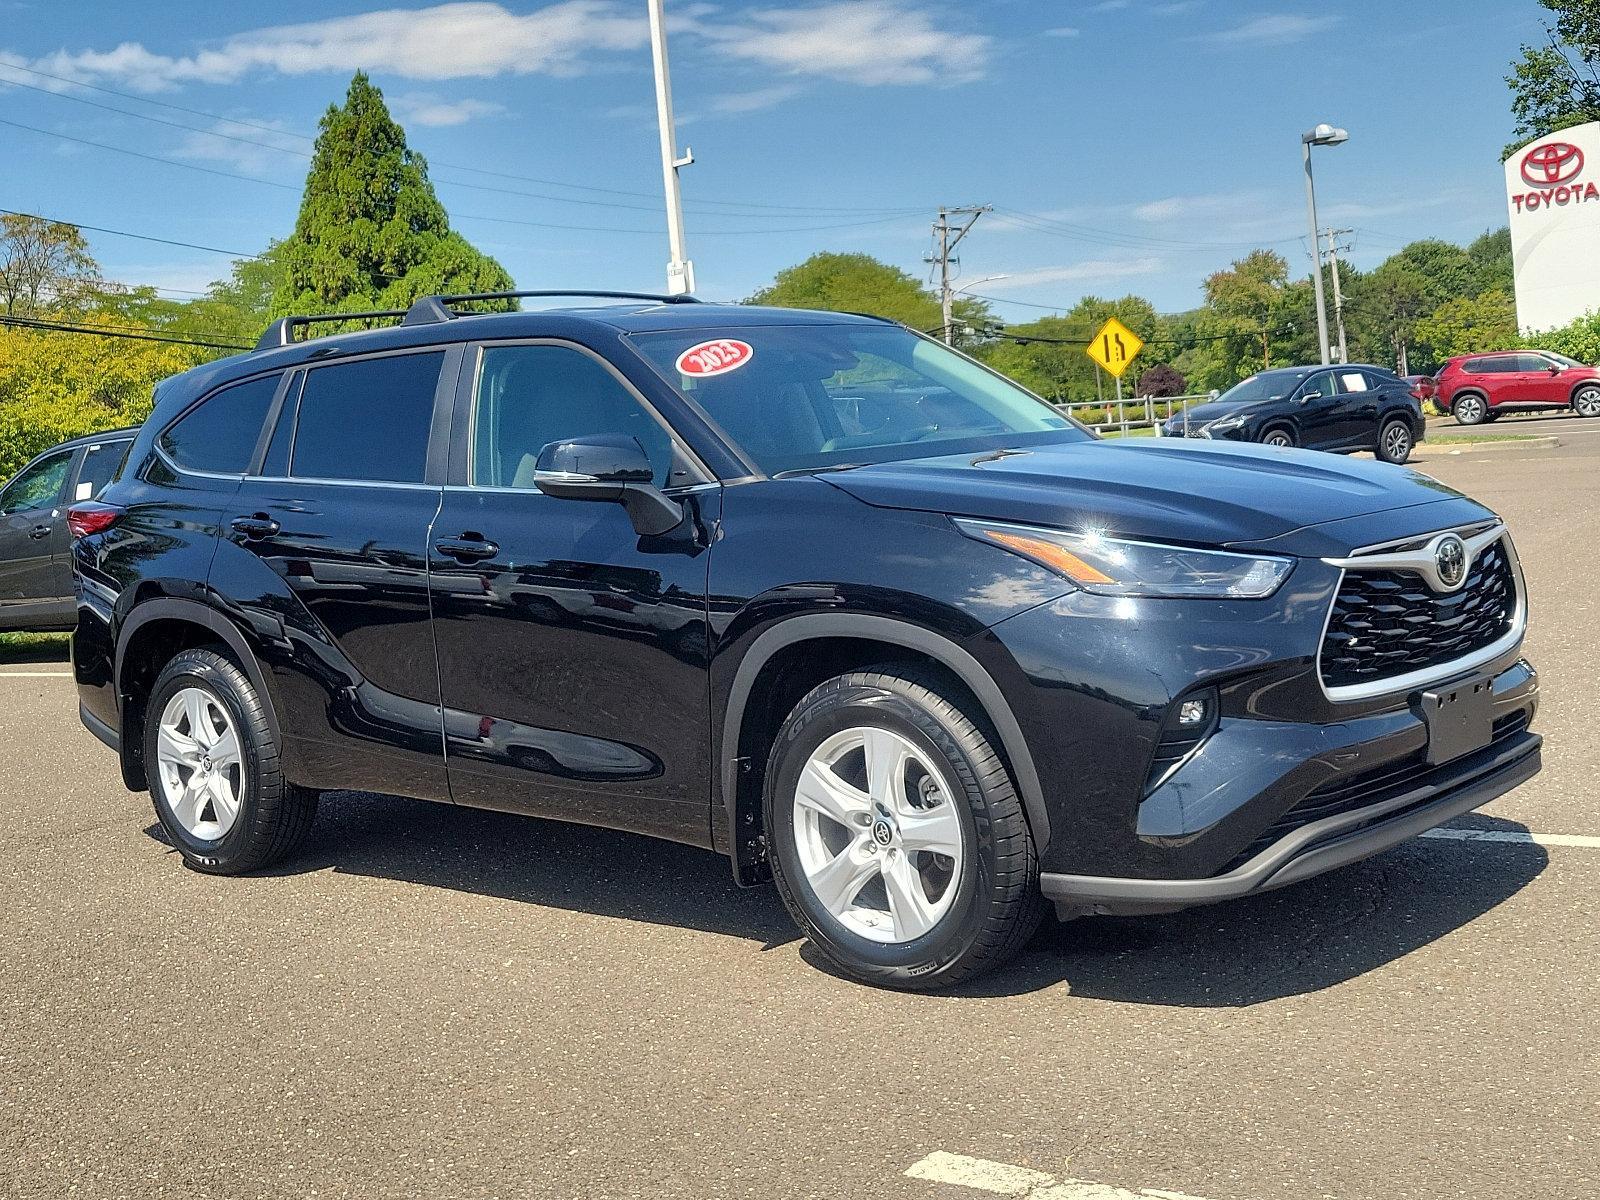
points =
(1131, 412)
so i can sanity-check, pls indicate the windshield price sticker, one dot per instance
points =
(714, 358)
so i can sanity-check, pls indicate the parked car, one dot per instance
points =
(808, 589)
(1343, 408)
(1423, 387)
(35, 569)
(1481, 387)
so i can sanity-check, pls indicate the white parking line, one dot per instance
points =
(35, 674)
(1003, 1179)
(1581, 841)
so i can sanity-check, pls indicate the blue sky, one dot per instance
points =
(1128, 145)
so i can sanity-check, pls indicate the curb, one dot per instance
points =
(1424, 450)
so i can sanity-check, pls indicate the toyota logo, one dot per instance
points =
(1450, 562)
(883, 833)
(1552, 163)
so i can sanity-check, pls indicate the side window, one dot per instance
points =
(367, 420)
(101, 464)
(1317, 387)
(1473, 366)
(1353, 381)
(1504, 365)
(39, 486)
(1532, 363)
(530, 396)
(220, 436)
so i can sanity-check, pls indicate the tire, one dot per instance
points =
(1395, 441)
(1277, 436)
(1586, 401)
(1469, 409)
(953, 791)
(227, 811)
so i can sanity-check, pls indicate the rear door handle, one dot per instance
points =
(253, 529)
(468, 547)
(39, 531)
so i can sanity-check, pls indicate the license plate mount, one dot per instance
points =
(1459, 719)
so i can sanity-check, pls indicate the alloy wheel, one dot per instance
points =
(1468, 410)
(200, 764)
(1587, 402)
(1397, 442)
(1278, 438)
(878, 835)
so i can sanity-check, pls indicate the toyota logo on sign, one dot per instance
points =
(1551, 163)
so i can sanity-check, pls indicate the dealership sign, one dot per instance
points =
(1553, 197)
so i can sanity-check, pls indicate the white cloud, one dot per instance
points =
(1274, 29)
(471, 38)
(1203, 207)
(1091, 270)
(1063, 31)
(253, 150)
(864, 41)
(431, 111)
(753, 101)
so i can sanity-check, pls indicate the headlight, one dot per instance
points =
(1225, 424)
(1113, 567)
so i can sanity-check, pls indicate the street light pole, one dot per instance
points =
(1322, 135)
(680, 271)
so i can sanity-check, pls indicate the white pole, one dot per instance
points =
(1316, 257)
(680, 271)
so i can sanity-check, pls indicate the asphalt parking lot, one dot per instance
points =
(437, 1002)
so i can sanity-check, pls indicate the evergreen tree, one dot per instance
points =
(371, 232)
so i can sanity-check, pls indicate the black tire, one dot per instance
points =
(1490, 417)
(1469, 409)
(1395, 441)
(1278, 436)
(274, 816)
(997, 904)
(1586, 400)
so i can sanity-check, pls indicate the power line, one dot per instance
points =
(1052, 225)
(91, 331)
(142, 237)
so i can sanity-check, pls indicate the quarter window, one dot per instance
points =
(39, 486)
(367, 420)
(530, 396)
(1352, 381)
(220, 436)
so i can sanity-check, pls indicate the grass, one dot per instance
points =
(1469, 439)
(1113, 433)
(33, 647)
(28, 640)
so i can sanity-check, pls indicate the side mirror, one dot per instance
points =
(1553, 369)
(611, 468)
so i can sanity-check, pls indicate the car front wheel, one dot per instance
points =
(1395, 442)
(213, 767)
(896, 837)
(1586, 403)
(1468, 410)
(1277, 437)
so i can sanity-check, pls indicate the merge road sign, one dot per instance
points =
(1115, 347)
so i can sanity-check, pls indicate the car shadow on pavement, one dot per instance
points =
(1290, 942)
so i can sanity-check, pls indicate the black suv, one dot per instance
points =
(808, 589)
(1342, 408)
(35, 570)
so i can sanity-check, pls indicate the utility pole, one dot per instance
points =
(680, 271)
(1338, 298)
(945, 243)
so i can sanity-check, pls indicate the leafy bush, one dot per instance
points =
(1579, 340)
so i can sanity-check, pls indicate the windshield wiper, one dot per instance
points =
(997, 455)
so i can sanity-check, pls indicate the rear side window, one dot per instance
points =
(39, 486)
(220, 436)
(1497, 366)
(101, 464)
(367, 420)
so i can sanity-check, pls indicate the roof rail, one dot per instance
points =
(432, 310)
(282, 331)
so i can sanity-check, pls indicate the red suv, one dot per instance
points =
(1479, 387)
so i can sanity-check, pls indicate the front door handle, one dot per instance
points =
(253, 529)
(468, 547)
(39, 531)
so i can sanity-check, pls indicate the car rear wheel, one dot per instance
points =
(1469, 410)
(1395, 442)
(1277, 437)
(213, 764)
(896, 837)
(1586, 403)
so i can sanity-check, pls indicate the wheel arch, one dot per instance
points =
(832, 643)
(1572, 395)
(157, 629)
(1456, 396)
(1285, 423)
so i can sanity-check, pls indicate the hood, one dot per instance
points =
(1198, 493)
(1213, 410)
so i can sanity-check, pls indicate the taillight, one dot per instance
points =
(92, 517)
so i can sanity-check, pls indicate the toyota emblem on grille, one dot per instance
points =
(1450, 562)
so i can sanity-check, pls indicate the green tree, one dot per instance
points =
(371, 232)
(1253, 319)
(1557, 85)
(1469, 325)
(1579, 340)
(1048, 355)
(1490, 255)
(43, 264)
(860, 283)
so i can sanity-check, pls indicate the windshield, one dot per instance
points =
(1260, 387)
(799, 398)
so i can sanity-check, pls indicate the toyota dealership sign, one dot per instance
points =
(1553, 192)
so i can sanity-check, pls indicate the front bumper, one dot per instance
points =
(1334, 841)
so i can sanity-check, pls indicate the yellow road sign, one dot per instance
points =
(1115, 347)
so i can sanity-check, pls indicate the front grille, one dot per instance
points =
(1351, 792)
(1389, 623)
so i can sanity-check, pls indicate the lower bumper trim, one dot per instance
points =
(1310, 850)
(100, 729)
